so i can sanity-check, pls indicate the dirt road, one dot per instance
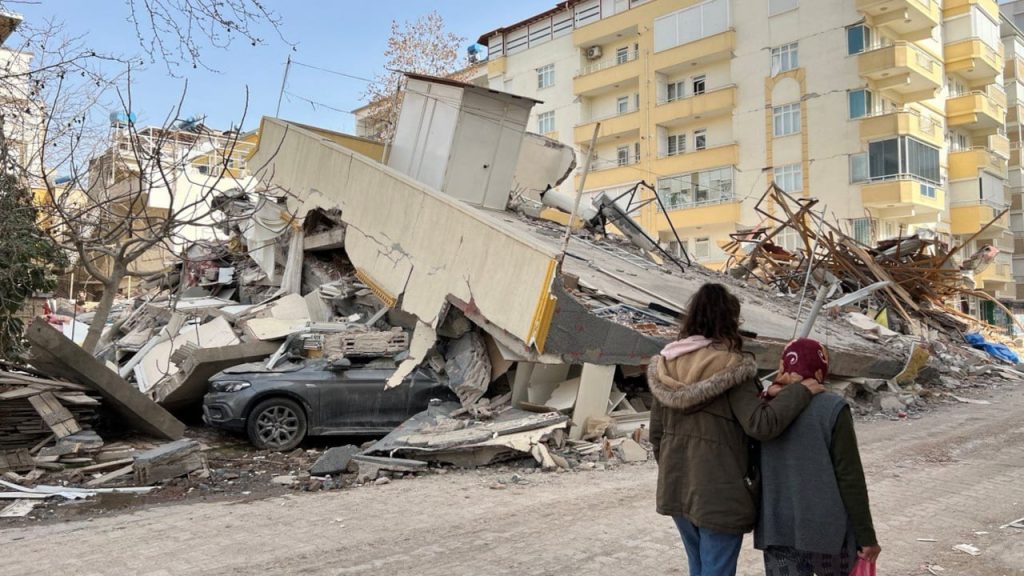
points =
(954, 476)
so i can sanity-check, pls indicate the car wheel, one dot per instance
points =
(276, 424)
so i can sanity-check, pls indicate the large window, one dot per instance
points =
(785, 58)
(622, 155)
(858, 39)
(859, 168)
(790, 177)
(546, 122)
(860, 103)
(622, 55)
(903, 156)
(676, 144)
(691, 24)
(697, 188)
(786, 119)
(676, 90)
(701, 248)
(546, 76)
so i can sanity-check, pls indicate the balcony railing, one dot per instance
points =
(673, 201)
(608, 63)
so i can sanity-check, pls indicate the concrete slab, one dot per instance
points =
(55, 354)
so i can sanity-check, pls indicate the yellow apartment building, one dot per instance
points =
(892, 112)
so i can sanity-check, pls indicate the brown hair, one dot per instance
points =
(714, 313)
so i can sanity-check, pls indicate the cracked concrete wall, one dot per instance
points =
(431, 248)
(542, 162)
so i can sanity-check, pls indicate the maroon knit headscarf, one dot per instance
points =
(805, 357)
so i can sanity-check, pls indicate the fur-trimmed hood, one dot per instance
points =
(691, 380)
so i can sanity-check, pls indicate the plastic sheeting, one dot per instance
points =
(993, 349)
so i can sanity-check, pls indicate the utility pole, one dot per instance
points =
(284, 82)
(579, 194)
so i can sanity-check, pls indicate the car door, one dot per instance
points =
(424, 387)
(355, 400)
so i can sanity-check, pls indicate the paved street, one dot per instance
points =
(953, 476)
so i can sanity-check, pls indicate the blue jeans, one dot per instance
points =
(709, 553)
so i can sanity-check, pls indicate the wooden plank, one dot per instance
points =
(55, 353)
(55, 415)
(110, 476)
(104, 465)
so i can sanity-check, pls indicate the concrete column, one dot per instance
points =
(521, 383)
(592, 399)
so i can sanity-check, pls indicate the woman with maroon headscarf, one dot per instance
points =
(815, 517)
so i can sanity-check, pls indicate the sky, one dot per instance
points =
(346, 36)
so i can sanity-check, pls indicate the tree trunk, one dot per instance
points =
(99, 320)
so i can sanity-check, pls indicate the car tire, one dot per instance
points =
(276, 424)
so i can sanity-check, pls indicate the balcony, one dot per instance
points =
(999, 144)
(699, 214)
(977, 111)
(606, 75)
(710, 104)
(902, 196)
(612, 174)
(968, 217)
(974, 60)
(1013, 68)
(625, 125)
(697, 160)
(970, 163)
(957, 7)
(904, 19)
(902, 71)
(697, 53)
(913, 124)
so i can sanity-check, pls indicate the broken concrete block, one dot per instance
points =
(334, 460)
(285, 480)
(382, 481)
(888, 402)
(171, 460)
(629, 451)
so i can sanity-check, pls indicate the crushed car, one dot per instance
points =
(279, 406)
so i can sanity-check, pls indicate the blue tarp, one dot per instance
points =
(999, 351)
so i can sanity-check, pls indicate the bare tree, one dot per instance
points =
(422, 46)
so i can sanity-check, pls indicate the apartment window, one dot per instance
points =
(690, 24)
(636, 101)
(636, 152)
(780, 6)
(622, 155)
(786, 119)
(546, 76)
(861, 230)
(546, 122)
(700, 139)
(903, 156)
(676, 144)
(701, 248)
(697, 188)
(699, 83)
(790, 177)
(858, 39)
(676, 90)
(622, 105)
(859, 168)
(622, 55)
(785, 58)
(860, 103)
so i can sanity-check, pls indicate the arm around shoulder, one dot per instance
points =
(763, 420)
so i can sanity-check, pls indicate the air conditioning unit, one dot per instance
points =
(593, 53)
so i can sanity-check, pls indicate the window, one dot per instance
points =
(790, 177)
(622, 105)
(701, 248)
(546, 76)
(546, 122)
(636, 152)
(858, 39)
(785, 58)
(697, 188)
(903, 156)
(690, 24)
(862, 230)
(676, 90)
(780, 6)
(858, 168)
(860, 103)
(786, 119)
(700, 139)
(622, 155)
(699, 83)
(676, 144)
(622, 55)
